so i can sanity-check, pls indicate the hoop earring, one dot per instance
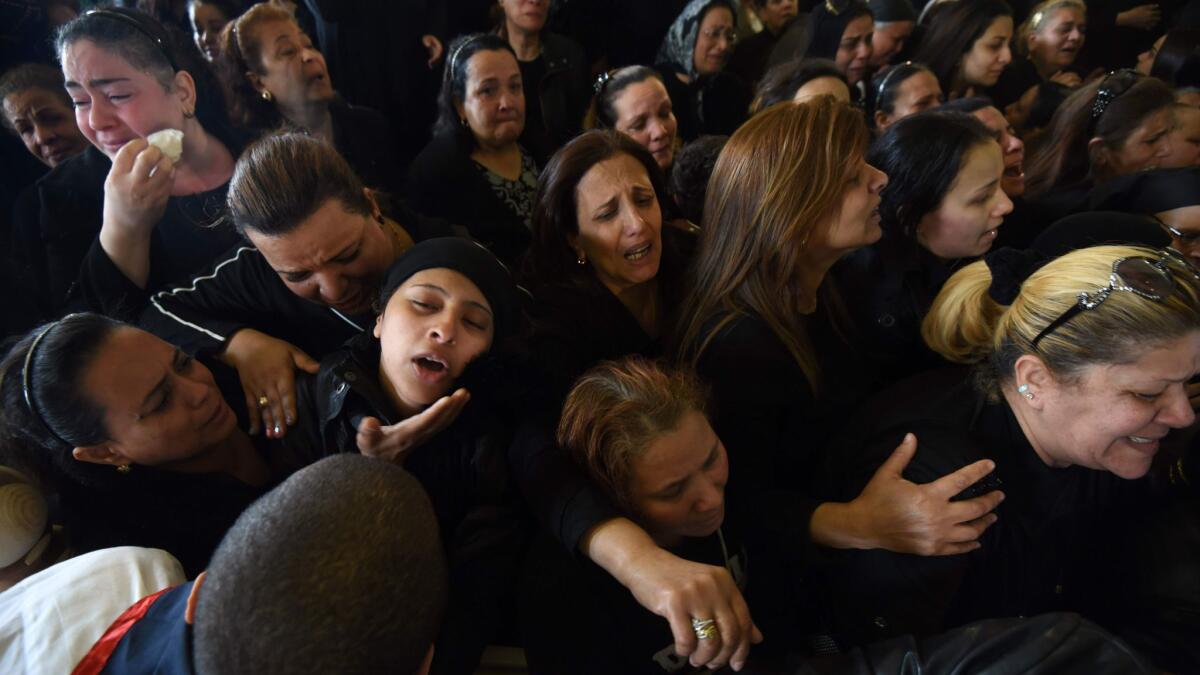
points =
(266, 96)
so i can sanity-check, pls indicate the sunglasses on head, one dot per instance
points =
(1149, 278)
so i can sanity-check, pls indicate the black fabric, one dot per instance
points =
(1049, 644)
(617, 33)
(1010, 268)
(576, 618)
(241, 290)
(751, 55)
(889, 287)
(62, 266)
(890, 11)
(711, 105)
(1021, 226)
(556, 95)
(376, 59)
(1100, 227)
(444, 182)
(365, 139)
(1062, 540)
(1149, 192)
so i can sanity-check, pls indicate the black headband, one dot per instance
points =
(141, 24)
(27, 385)
(1116, 83)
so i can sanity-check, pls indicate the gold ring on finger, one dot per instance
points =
(263, 401)
(704, 628)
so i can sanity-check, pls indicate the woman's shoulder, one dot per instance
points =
(82, 174)
(561, 51)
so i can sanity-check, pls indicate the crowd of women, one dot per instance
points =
(754, 335)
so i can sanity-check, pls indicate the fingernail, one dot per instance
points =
(277, 429)
(291, 419)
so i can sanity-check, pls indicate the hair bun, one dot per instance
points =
(1010, 268)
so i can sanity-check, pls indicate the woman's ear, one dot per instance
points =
(376, 212)
(185, 89)
(378, 330)
(882, 119)
(1031, 372)
(189, 612)
(99, 454)
(460, 110)
(1097, 153)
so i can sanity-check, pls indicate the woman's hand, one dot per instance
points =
(896, 514)
(266, 367)
(394, 442)
(1142, 17)
(136, 192)
(678, 590)
(1067, 78)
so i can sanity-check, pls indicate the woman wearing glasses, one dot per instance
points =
(692, 59)
(1080, 367)
(1117, 126)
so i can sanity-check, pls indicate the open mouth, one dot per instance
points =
(1014, 171)
(431, 368)
(638, 253)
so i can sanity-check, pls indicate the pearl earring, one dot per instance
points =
(1024, 391)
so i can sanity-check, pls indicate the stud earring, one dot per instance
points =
(123, 469)
(1024, 391)
(188, 114)
(580, 259)
(266, 96)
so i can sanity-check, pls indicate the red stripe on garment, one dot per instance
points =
(97, 657)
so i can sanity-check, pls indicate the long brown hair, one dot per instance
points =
(780, 176)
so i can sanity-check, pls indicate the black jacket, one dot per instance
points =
(561, 96)
(366, 140)
(888, 288)
(444, 182)
(56, 244)
(243, 291)
(1066, 538)
(710, 105)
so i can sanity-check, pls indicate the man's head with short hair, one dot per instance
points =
(339, 569)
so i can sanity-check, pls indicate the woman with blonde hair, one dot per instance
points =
(790, 194)
(1080, 371)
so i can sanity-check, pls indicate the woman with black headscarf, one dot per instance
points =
(692, 58)
(841, 31)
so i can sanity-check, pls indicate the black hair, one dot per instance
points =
(690, 173)
(31, 76)
(783, 81)
(969, 105)
(454, 83)
(882, 91)
(282, 179)
(602, 114)
(922, 155)
(150, 46)
(337, 570)
(951, 32)
(1178, 60)
(55, 417)
(231, 8)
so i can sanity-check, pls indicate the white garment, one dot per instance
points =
(49, 621)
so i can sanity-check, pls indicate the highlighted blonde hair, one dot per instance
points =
(1038, 16)
(780, 177)
(965, 325)
(615, 412)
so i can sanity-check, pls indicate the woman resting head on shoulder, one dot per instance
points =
(1091, 352)
(103, 408)
(800, 80)
(1115, 126)
(966, 44)
(634, 101)
(945, 191)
